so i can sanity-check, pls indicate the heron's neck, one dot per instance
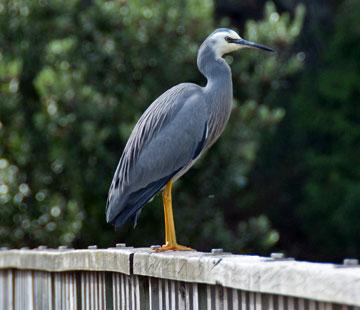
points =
(218, 90)
(215, 69)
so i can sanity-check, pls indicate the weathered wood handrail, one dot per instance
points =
(138, 278)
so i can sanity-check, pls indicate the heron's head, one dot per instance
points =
(224, 41)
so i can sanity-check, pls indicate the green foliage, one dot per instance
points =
(307, 176)
(74, 78)
(328, 115)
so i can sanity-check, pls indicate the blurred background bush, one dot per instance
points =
(76, 75)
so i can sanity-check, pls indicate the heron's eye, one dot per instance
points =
(228, 39)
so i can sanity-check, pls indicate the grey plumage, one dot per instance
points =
(173, 132)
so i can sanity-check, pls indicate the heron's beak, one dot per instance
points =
(252, 45)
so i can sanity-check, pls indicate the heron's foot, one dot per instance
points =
(173, 247)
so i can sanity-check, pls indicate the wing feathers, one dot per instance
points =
(167, 137)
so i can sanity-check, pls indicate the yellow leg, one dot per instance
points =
(170, 236)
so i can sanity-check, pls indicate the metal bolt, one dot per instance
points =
(24, 248)
(62, 247)
(92, 247)
(155, 247)
(121, 245)
(278, 255)
(42, 247)
(217, 251)
(350, 262)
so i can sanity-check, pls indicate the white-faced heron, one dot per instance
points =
(175, 130)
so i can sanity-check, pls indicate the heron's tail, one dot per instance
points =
(132, 206)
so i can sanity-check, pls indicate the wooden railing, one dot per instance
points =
(129, 278)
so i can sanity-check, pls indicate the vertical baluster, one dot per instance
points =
(41, 279)
(28, 290)
(329, 306)
(181, 295)
(101, 302)
(133, 292)
(154, 294)
(160, 292)
(281, 304)
(301, 304)
(10, 288)
(96, 292)
(166, 294)
(173, 294)
(251, 301)
(73, 293)
(312, 305)
(271, 302)
(49, 287)
(140, 294)
(195, 296)
(17, 289)
(128, 291)
(70, 295)
(187, 295)
(123, 292)
(321, 306)
(243, 300)
(18, 298)
(62, 286)
(45, 298)
(290, 303)
(208, 297)
(114, 289)
(37, 289)
(87, 291)
(65, 288)
(225, 298)
(2, 289)
(258, 301)
(235, 299)
(105, 306)
(91, 291)
(57, 291)
(9, 283)
(6, 288)
(219, 297)
(83, 289)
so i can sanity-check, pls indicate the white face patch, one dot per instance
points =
(220, 45)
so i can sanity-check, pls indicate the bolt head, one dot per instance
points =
(121, 245)
(154, 247)
(351, 262)
(42, 247)
(278, 255)
(92, 247)
(217, 251)
(62, 247)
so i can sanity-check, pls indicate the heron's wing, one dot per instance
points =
(167, 137)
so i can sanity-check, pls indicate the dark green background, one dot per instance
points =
(76, 75)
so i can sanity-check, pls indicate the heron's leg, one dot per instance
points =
(170, 236)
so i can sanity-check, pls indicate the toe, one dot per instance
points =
(173, 247)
